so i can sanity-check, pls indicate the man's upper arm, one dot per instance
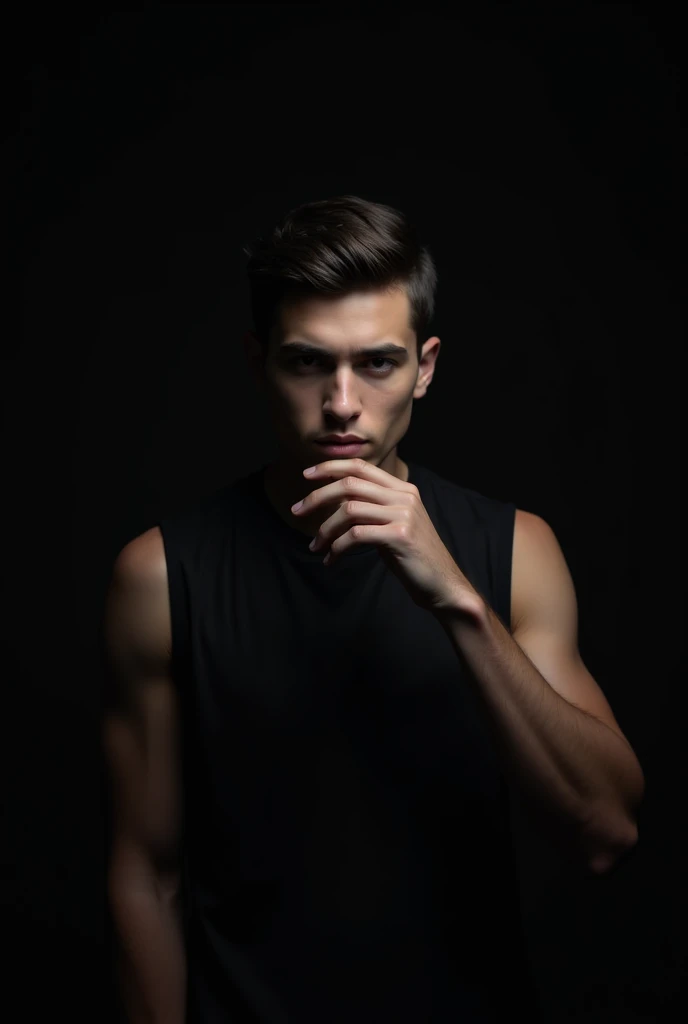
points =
(141, 730)
(544, 617)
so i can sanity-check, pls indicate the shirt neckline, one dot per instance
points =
(296, 540)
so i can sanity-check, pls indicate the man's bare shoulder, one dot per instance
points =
(138, 606)
(142, 559)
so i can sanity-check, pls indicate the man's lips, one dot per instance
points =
(346, 439)
(351, 449)
(349, 444)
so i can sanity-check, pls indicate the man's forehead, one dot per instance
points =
(365, 318)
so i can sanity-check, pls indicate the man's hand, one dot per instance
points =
(374, 507)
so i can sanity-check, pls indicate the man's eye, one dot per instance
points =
(296, 361)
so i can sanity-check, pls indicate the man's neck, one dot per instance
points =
(284, 486)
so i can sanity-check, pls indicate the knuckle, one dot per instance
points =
(350, 507)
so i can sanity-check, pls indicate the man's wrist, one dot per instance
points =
(463, 603)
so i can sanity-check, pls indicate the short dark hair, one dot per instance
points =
(330, 247)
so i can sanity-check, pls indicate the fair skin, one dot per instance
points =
(564, 750)
(339, 392)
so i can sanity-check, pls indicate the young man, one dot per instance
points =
(315, 745)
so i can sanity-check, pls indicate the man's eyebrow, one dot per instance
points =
(386, 348)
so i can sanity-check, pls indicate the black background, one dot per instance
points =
(537, 147)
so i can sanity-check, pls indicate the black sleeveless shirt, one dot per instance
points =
(347, 847)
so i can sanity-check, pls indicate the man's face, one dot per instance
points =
(335, 387)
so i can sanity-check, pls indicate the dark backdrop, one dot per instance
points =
(537, 148)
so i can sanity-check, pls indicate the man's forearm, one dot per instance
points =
(564, 761)
(151, 958)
